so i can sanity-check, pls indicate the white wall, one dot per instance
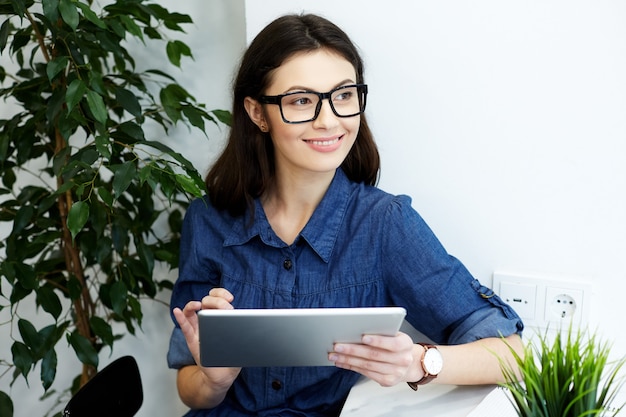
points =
(506, 123)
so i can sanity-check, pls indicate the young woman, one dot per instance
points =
(293, 220)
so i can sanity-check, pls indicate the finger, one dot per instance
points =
(218, 298)
(386, 374)
(191, 308)
(383, 379)
(361, 356)
(384, 367)
(222, 293)
(395, 354)
(188, 322)
(399, 342)
(189, 327)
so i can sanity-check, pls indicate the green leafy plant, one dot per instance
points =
(93, 206)
(568, 377)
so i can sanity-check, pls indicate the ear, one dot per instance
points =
(256, 113)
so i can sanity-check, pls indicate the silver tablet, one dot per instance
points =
(287, 337)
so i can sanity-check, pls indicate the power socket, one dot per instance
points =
(564, 305)
(545, 301)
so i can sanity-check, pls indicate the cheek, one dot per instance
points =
(283, 133)
(352, 126)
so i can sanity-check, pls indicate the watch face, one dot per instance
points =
(433, 362)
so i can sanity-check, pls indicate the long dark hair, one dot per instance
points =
(246, 166)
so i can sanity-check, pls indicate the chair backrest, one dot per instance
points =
(115, 391)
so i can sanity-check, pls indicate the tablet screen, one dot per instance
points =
(287, 337)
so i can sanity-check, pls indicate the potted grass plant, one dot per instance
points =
(571, 375)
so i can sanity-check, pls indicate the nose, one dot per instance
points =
(326, 117)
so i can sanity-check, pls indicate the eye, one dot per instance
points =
(344, 94)
(299, 99)
(302, 101)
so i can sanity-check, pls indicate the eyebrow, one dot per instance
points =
(302, 88)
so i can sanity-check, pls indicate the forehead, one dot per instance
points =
(319, 70)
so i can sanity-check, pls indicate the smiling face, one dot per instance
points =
(318, 146)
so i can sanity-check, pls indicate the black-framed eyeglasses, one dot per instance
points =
(305, 106)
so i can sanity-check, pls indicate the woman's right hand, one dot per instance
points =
(218, 378)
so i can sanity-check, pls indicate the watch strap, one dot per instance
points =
(427, 377)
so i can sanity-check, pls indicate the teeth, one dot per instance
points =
(324, 142)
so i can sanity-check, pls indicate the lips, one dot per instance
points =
(324, 142)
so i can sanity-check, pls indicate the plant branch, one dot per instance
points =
(83, 306)
(38, 35)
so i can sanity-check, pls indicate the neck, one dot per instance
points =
(291, 202)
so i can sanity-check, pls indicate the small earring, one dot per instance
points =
(263, 128)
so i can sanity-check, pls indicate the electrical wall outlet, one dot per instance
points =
(545, 301)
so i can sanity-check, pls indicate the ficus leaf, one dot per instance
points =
(97, 107)
(77, 217)
(22, 218)
(22, 358)
(131, 26)
(90, 15)
(189, 185)
(119, 297)
(69, 13)
(4, 34)
(103, 145)
(175, 50)
(55, 66)
(74, 94)
(84, 350)
(102, 329)
(26, 276)
(48, 368)
(194, 116)
(129, 101)
(131, 130)
(224, 116)
(106, 196)
(6, 405)
(136, 309)
(123, 176)
(49, 301)
(29, 334)
(51, 9)
(52, 334)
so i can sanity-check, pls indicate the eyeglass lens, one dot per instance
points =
(344, 101)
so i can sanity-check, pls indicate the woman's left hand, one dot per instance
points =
(387, 360)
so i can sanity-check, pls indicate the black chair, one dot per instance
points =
(115, 391)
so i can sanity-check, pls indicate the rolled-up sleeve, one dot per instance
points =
(443, 300)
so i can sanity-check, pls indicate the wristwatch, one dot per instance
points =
(432, 363)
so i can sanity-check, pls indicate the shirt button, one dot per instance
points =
(287, 264)
(276, 385)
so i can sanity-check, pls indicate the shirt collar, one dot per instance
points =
(320, 232)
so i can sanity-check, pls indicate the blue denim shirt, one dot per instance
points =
(361, 248)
